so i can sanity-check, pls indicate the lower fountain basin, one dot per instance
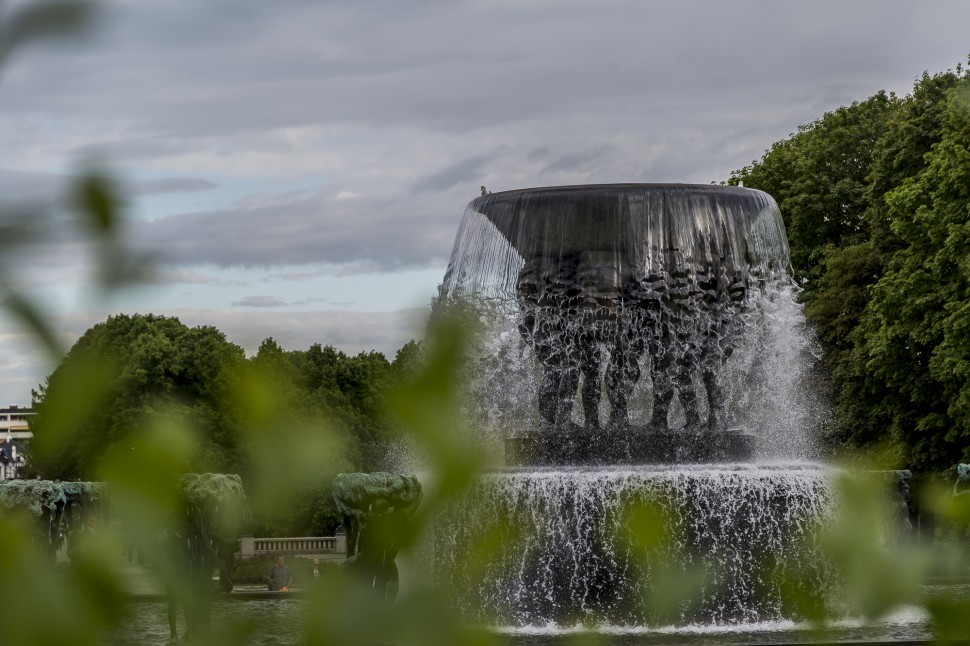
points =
(573, 551)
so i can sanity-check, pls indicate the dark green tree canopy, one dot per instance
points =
(238, 408)
(150, 363)
(876, 198)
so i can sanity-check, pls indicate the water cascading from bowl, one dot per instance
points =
(632, 323)
(641, 344)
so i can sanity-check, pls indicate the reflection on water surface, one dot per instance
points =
(279, 622)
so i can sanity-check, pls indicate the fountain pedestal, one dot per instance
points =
(626, 448)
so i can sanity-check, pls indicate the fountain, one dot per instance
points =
(640, 347)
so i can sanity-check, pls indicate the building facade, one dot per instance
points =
(15, 437)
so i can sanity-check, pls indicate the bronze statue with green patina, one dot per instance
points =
(211, 512)
(375, 508)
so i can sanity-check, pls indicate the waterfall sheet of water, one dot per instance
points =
(729, 533)
(615, 232)
(647, 307)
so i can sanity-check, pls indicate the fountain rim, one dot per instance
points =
(627, 186)
(753, 468)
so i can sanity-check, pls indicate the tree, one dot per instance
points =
(152, 364)
(819, 178)
(872, 233)
(914, 339)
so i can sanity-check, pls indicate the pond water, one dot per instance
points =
(279, 621)
(274, 622)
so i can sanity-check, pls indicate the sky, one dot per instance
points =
(298, 169)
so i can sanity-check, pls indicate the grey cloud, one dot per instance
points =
(22, 367)
(462, 66)
(464, 171)
(171, 185)
(538, 154)
(259, 301)
(318, 301)
(171, 79)
(289, 276)
(366, 234)
(579, 160)
(185, 276)
(19, 187)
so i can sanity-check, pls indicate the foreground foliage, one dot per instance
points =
(172, 425)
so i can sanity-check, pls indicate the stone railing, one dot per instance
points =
(250, 546)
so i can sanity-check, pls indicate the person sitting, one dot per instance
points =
(279, 577)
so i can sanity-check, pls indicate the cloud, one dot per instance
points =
(465, 171)
(18, 358)
(303, 228)
(582, 160)
(317, 301)
(40, 188)
(473, 69)
(185, 276)
(171, 185)
(259, 301)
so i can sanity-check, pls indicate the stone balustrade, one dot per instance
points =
(250, 546)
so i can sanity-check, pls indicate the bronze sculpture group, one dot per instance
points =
(203, 537)
(681, 315)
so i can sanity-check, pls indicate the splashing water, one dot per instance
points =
(733, 529)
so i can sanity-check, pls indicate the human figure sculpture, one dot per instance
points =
(83, 506)
(375, 509)
(582, 311)
(546, 296)
(640, 334)
(46, 501)
(211, 515)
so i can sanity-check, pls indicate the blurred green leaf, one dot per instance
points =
(142, 475)
(950, 619)
(62, 425)
(879, 572)
(97, 199)
(33, 318)
(38, 21)
(40, 608)
(427, 405)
